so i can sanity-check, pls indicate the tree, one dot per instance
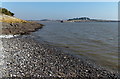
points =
(6, 12)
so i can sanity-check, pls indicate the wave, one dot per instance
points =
(8, 36)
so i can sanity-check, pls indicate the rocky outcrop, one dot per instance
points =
(19, 28)
(11, 25)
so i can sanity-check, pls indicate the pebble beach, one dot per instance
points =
(25, 57)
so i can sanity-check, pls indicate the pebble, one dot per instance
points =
(39, 59)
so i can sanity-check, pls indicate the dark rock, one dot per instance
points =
(20, 28)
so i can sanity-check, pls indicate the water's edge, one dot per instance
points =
(93, 42)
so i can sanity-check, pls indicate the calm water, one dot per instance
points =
(95, 40)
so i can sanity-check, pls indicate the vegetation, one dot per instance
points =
(82, 18)
(6, 12)
(10, 18)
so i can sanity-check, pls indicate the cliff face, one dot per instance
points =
(12, 26)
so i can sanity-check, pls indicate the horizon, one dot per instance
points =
(63, 10)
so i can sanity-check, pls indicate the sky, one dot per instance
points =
(63, 10)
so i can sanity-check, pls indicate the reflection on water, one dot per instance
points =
(95, 40)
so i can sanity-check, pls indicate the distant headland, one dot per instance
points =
(81, 19)
(86, 19)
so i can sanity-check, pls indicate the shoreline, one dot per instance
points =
(90, 21)
(8, 36)
(26, 57)
(20, 28)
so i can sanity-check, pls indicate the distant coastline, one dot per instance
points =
(82, 19)
(86, 19)
(91, 21)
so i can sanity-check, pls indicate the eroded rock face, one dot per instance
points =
(19, 28)
(28, 58)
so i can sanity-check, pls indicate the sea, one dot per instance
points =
(97, 41)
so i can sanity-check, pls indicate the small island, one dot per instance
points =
(86, 19)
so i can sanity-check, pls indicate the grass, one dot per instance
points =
(10, 19)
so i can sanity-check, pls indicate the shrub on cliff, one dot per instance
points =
(6, 12)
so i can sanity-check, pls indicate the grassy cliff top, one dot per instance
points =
(10, 19)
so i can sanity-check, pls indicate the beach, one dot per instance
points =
(59, 40)
(26, 57)
(22, 56)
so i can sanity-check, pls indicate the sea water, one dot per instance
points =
(97, 41)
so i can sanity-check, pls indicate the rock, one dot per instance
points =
(27, 57)
(19, 28)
